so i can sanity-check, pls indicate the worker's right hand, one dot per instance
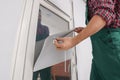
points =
(66, 43)
(78, 29)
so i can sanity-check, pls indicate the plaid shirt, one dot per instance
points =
(109, 10)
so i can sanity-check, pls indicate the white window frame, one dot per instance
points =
(23, 56)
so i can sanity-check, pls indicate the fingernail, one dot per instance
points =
(54, 41)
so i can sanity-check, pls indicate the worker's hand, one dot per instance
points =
(78, 29)
(63, 43)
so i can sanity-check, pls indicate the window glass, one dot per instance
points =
(50, 23)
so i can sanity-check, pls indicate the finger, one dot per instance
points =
(78, 29)
(60, 39)
(59, 48)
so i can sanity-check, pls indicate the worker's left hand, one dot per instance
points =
(63, 43)
(78, 29)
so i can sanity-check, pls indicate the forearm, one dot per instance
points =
(95, 24)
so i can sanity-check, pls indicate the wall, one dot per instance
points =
(10, 11)
(84, 48)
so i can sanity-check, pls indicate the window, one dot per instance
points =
(52, 20)
(50, 23)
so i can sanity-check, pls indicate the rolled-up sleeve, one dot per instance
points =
(105, 9)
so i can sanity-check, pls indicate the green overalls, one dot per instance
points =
(106, 54)
(45, 74)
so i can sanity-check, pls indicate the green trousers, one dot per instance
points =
(45, 74)
(106, 54)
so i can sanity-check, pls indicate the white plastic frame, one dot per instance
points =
(23, 56)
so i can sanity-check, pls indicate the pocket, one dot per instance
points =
(115, 35)
(111, 39)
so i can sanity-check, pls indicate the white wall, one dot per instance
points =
(10, 11)
(84, 48)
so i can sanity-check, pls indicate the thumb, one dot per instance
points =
(60, 39)
(57, 44)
